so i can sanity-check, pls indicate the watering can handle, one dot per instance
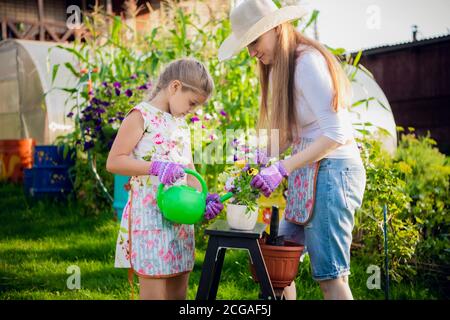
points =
(199, 178)
(195, 174)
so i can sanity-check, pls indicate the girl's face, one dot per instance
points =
(263, 48)
(182, 102)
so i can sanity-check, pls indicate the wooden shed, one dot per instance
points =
(415, 76)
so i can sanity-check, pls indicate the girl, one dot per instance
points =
(309, 95)
(153, 146)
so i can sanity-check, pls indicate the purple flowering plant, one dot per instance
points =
(105, 103)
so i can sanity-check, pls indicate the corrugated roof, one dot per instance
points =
(403, 45)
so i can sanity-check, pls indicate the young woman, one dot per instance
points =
(305, 95)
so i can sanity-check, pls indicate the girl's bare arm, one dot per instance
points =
(119, 160)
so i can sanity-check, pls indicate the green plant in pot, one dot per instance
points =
(242, 209)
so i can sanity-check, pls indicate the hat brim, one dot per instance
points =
(233, 45)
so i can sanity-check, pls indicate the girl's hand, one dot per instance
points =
(193, 181)
(168, 172)
(268, 179)
(213, 206)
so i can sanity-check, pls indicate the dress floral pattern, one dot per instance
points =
(158, 247)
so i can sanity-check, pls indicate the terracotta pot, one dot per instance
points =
(281, 262)
(238, 217)
(15, 156)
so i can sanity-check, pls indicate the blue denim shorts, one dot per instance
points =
(328, 235)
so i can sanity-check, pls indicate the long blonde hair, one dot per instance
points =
(190, 72)
(280, 113)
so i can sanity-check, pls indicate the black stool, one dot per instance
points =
(221, 237)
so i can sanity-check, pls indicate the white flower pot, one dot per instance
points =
(238, 217)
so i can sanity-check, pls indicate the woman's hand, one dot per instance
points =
(213, 206)
(167, 172)
(268, 179)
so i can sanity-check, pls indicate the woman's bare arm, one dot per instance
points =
(318, 150)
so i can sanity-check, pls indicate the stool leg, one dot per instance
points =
(217, 273)
(207, 270)
(261, 270)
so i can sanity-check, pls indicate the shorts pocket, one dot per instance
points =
(354, 183)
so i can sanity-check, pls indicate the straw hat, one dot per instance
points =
(252, 18)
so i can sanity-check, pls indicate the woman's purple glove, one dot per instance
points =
(213, 206)
(268, 179)
(168, 172)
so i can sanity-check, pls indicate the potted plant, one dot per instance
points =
(242, 209)
(281, 256)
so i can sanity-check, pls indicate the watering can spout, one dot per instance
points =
(226, 196)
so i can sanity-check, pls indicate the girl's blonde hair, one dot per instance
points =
(280, 113)
(190, 72)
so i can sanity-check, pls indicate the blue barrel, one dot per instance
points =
(120, 194)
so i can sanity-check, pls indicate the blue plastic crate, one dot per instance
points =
(47, 181)
(28, 180)
(51, 177)
(49, 193)
(50, 155)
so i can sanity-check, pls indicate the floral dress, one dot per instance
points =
(157, 247)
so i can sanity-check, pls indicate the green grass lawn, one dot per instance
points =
(40, 240)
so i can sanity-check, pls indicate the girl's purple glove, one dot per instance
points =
(268, 179)
(213, 206)
(168, 172)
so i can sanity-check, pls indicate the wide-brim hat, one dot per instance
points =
(251, 19)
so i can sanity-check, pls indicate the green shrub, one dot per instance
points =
(426, 172)
(414, 184)
(385, 187)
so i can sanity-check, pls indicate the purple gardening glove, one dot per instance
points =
(268, 179)
(168, 172)
(213, 206)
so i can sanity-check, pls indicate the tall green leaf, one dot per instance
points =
(54, 72)
(69, 66)
(314, 16)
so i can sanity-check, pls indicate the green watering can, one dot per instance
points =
(184, 204)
